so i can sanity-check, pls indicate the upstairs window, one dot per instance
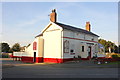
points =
(66, 46)
(35, 46)
(92, 39)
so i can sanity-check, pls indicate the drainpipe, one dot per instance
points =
(61, 45)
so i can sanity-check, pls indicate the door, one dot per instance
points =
(89, 52)
(34, 56)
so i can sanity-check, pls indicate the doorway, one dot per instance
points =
(89, 52)
(34, 57)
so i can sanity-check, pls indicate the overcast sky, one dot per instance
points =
(24, 20)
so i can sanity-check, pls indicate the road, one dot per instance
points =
(82, 69)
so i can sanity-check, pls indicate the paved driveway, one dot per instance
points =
(81, 69)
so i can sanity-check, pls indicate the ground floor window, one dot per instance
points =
(66, 46)
(82, 48)
(96, 47)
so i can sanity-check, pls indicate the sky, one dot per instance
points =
(22, 21)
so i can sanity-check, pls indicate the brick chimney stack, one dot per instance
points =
(88, 26)
(53, 16)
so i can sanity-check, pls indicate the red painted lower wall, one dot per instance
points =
(49, 60)
(39, 59)
(84, 58)
(57, 60)
(68, 59)
(53, 60)
(29, 59)
(88, 58)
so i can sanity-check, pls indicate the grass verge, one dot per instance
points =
(111, 63)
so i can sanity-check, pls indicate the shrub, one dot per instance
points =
(118, 55)
(114, 56)
(5, 56)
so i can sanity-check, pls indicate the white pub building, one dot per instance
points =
(60, 42)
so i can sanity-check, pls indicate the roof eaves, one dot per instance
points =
(39, 35)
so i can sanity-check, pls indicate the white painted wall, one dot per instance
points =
(52, 42)
(29, 50)
(40, 46)
(77, 44)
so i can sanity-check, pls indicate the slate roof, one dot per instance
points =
(68, 27)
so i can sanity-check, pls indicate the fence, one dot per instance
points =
(20, 54)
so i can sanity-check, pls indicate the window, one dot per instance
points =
(82, 48)
(35, 46)
(71, 50)
(96, 48)
(77, 33)
(92, 39)
(66, 46)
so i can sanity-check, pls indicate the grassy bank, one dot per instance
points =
(112, 63)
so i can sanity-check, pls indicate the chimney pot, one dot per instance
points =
(53, 16)
(88, 26)
(87, 22)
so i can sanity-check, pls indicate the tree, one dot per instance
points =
(119, 49)
(10, 50)
(16, 47)
(108, 44)
(116, 49)
(5, 47)
(104, 43)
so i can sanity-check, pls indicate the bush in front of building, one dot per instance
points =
(5, 55)
(114, 56)
(118, 55)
